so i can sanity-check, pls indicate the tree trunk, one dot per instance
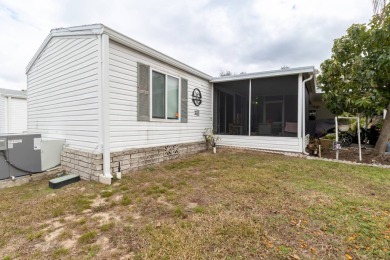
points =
(381, 144)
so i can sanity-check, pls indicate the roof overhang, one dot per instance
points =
(13, 96)
(305, 71)
(98, 29)
(95, 29)
(266, 74)
(13, 93)
(127, 41)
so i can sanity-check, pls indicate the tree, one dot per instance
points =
(379, 6)
(356, 79)
(224, 73)
(378, 63)
(345, 78)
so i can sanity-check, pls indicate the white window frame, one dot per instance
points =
(166, 119)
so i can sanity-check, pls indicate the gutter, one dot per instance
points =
(304, 112)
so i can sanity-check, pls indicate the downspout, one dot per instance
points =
(304, 113)
(105, 110)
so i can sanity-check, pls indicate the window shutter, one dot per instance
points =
(143, 91)
(184, 101)
(215, 114)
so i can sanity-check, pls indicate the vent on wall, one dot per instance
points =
(171, 150)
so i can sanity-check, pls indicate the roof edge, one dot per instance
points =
(13, 96)
(265, 74)
(98, 29)
(94, 29)
(13, 93)
(127, 41)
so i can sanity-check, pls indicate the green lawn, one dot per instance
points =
(232, 205)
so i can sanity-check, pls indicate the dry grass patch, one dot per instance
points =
(232, 205)
(87, 238)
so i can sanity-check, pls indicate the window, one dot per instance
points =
(165, 96)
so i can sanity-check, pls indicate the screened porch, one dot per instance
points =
(265, 112)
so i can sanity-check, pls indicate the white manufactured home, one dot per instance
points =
(121, 104)
(13, 111)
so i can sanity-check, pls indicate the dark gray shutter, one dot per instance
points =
(143, 90)
(215, 113)
(184, 100)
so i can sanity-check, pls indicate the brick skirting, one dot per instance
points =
(89, 165)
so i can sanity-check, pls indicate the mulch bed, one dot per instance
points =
(351, 153)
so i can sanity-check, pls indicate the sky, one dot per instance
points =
(209, 35)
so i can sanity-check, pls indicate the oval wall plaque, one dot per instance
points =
(197, 97)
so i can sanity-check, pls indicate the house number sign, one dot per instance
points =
(197, 97)
(336, 146)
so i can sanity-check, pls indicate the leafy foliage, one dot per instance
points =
(356, 79)
(210, 137)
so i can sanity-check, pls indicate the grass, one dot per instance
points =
(34, 236)
(179, 213)
(232, 205)
(125, 200)
(60, 253)
(107, 227)
(87, 238)
(107, 193)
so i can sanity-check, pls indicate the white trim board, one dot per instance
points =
(275, 143)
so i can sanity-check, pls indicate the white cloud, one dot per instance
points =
(208, 35)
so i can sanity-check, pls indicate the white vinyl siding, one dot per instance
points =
(125, 130)
(63, 91)
(3, 119)
(285, 144)
(18, 115)
(13, 114)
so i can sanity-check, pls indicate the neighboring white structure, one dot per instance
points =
(109, 95)
(13, 111)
